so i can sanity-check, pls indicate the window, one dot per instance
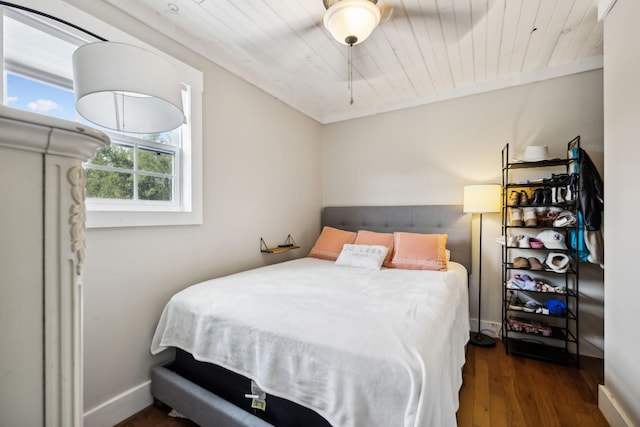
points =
(138, 175)
(134, 171)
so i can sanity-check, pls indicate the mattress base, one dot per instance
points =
(198, 404)
(233, 388)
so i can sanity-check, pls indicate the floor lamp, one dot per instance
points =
(481, 198)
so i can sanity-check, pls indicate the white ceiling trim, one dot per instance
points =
(604, 7)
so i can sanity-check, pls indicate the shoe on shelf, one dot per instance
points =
(531, 306)
(570, 193)
(552, 215)
(514, 198)
(521, 262)
(564, 219)
(524, 282)
(515, 303)
(557, 262)
(557, 179)
(536, 196)
(515, 217)
(524, 198)
(512, 286)
(530, 217)
(542, 310)
(535, 263)
(544, 287)
(523, 242)
(556, 195)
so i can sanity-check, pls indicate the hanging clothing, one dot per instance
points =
(588, 246)
(591, 190)
(586, 242)
(577, 246)
(594, 242)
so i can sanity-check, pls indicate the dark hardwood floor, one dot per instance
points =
(498, 390)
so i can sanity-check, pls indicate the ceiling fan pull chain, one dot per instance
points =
(350, 77)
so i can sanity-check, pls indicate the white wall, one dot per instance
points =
(262, 178)
(620, 396)
(425, 155)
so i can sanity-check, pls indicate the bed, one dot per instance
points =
(322, 344)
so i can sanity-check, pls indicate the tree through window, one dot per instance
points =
(135, 168)
(140, 180)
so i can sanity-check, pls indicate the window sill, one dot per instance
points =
(106, 219)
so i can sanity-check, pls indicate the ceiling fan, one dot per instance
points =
(351, 21)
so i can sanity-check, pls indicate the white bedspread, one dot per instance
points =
(362, 348)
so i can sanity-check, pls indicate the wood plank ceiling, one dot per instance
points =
(429, 51)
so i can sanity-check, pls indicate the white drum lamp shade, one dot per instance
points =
(126, 88)
(351, 21)
(482, 198)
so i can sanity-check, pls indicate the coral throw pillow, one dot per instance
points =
(365, 237)
(330, 243)
(415, 251)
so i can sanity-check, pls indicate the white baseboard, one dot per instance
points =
(613, 413)
(491, 329)
(120, 407)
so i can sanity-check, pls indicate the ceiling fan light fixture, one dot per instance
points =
(351, 21)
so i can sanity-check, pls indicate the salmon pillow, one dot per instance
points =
(415, 251)
(365, 237)
(330, 243)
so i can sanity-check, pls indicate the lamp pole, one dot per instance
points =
(478, 338)
(481, 199)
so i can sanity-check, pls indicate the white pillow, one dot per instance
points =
(362, 256)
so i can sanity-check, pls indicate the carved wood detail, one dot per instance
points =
(77, 177)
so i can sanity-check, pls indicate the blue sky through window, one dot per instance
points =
(38, 97)
(26, 94)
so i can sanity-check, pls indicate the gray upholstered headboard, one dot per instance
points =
(431, 219)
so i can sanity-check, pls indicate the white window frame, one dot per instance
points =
(187, 206)
(136, 203)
